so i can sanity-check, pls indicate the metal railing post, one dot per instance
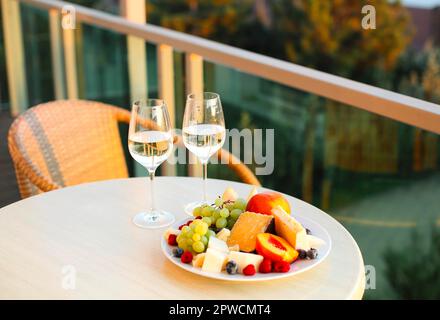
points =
(135, 11)
(15, 63)
(194, 84)
(165, 72)
(70, 63)
(56, 44)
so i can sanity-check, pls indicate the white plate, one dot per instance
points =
(297, 267)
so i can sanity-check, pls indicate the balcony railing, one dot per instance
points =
(396, 106)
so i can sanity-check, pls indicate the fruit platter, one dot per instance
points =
(246, 240)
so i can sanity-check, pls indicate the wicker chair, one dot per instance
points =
(64, 143)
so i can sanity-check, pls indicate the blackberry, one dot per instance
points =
(312, 253)
(231, 267)
(177, 252)
(302, 254)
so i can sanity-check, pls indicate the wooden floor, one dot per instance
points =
(8, 185)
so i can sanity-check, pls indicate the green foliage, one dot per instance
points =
(417, 74)
(325, 35)
(413, 272)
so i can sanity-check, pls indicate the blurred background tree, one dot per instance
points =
(325, 35)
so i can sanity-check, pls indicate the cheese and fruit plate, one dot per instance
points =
(246, 240)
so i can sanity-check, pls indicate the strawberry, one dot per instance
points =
(249, 270)
(281, 266)
(172, 240)
(265, 266)
(186, 257)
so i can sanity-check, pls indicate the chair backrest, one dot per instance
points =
(64, 143)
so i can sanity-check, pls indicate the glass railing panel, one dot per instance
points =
(378, 177)
(37, 53)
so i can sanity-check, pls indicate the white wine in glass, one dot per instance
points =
(150, 142)
(203, 132)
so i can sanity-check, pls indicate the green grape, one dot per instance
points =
(189, 242)
(207, 211)
(207, 220)
(197, 211)
(196, 237)
(230, 206)
(218, 202)
(231, 223)
(236, 213)
(198, 246)
(221, 223)
(189, 234)
(240, 204)
(204, 240)
(182, 244)
(216, 214)
(210, 234)
(224, 213)
(201, 228)
(185, 230)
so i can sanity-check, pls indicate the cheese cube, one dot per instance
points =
(224, 234)
(315, 242)
(170, 231)
(214, 260)
(244, 259)
(302, 241)
(217, 244)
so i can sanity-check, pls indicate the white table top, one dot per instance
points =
(88, 227)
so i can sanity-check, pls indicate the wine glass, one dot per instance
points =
(150, 142)
(203, 132)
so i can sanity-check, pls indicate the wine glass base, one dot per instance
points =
(153, 220)
(189, 208)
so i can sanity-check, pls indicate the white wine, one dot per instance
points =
(150, 148)
(204, 139)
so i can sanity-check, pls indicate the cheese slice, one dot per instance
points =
(198, 260)
(223, 234)
(214, 260)
(245, 230)
(217, 244)
(244, 259)
(288, 227)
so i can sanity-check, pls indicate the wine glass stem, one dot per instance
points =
(152, 206)
(205, 177)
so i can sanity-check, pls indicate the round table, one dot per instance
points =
(80, 243)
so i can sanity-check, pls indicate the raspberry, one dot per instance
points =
(180, 227)
(265, 266)
(172, 240)
(199, 217)
(249, 270)
(186, 257)
(281, 266)
(189, 222)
